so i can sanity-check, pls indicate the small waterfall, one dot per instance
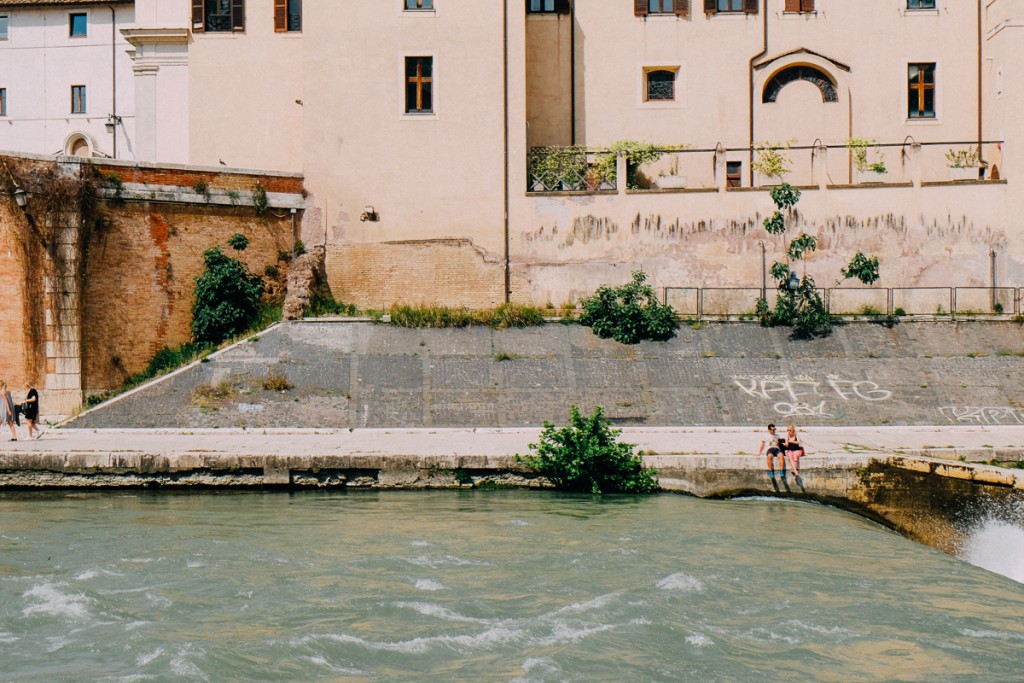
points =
(997, 546)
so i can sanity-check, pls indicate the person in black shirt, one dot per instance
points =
(30, 409)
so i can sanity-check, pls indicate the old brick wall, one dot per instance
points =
(13, 349)
(451, 272)
(142, 267)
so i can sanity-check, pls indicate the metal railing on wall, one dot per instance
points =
(682, 168)
(949, 303)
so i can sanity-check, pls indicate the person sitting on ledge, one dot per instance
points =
(773, 441)
(794, 449)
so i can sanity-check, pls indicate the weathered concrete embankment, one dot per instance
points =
(934, 500)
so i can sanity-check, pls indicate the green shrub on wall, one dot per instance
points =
(228, 296)
(630, 313)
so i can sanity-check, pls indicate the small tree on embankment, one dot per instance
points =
(585, 456)
(228, 295)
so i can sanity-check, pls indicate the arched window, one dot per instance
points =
(800, 73)
(78, 146)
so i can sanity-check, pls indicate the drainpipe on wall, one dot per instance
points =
(508, 260)
(572, 71)
(750, 76)
(980, 138)
(113, 72)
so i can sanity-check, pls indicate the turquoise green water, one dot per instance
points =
(484, 586)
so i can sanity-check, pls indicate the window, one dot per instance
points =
(800, 73)
(921, 91)
(216, 16)
(715, 6)
(419, 4)
(4, 23)
(799, 6)
(3, 101)
(419, 85)
(287, 16)
(78, 99)
(78, 25)
(680, 8)
(661, 85)
(734, 174)
(920, 4)
(547, 6)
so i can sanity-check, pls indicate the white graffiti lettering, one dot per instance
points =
(983, 415)
(802, 395)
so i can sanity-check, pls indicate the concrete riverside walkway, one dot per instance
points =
(976, 443)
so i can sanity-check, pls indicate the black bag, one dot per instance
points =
(19, 408)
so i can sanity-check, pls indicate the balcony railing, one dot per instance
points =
(577, 169)
(942, 303)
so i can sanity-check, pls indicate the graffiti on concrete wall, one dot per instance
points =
(983, 415)
(804, 396)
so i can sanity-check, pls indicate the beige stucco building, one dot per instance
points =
(412, 120)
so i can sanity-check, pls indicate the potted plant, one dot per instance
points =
(869, 170)
(963, 164)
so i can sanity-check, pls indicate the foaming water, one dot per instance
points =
(499, 586)
(997, 546)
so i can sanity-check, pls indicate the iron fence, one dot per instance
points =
(949, 303)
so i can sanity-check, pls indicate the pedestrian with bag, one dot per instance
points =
(30, 409)
(7, 414)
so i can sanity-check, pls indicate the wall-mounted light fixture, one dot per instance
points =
(112, 122)
(20, 197)
(369, 214)
(794, 282)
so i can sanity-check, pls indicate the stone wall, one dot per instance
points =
(92, 297)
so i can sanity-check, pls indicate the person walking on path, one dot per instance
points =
(794, 449)
(773, 441)
(30, 409)
(7, 416)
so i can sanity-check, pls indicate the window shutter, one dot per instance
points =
(792, 6)
(640, 8)
(237, 15)
(710, 6)
(807, 5)
(280, 16)
(750, 6)
(197, 15)
(682, 8)
(562, 6)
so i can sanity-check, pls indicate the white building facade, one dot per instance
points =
(66, 81)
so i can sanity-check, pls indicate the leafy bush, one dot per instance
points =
(637, 154)
(324, 304)
(585, 456)
(629, 314)
(227, 297)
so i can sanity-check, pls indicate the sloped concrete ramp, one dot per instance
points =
(357, 375)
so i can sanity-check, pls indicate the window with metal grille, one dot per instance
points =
(661, 85)
(419, 85)
(921, 91)
(78, 99)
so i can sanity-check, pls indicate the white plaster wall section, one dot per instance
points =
(805, 396)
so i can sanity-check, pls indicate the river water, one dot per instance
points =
(485, 586)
